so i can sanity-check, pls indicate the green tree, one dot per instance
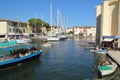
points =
(71, 32)
(36, 24)
(46, 25)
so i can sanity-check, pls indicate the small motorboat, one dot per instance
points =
(63, 37)
(23, 41)
(53, 38)
(8, 43)
(107, 69)
(19, 56)
(47, 44)
(101, 51)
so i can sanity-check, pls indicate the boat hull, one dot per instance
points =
(63, 38)
(23, 41)
(53, 38)
(9, 43)
(108, 72)
(101, 52)
(19, 61)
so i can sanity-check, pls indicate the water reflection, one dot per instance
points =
(65, 60)
(21, 72)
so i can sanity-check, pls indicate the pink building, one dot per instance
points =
(84, 31)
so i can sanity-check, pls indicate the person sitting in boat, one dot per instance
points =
(16, 55)
(110, 61)
(33, 49)
(102, 63)
(27, 52)
(102, 50)
(21, 52)
(105, 62)
(97, 48)
(20, 55)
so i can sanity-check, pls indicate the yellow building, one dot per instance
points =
(8, 27)
(107, 19)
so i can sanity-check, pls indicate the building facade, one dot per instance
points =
(68, 30)
(84, 31)
(9, 27)
(107, 19)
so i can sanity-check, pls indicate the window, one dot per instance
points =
(14, 30)
(10, 30)
(84, 30)
(23, 30)
(17, 30)
(90, 34)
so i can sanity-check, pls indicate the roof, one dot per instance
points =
(108, 36)
(108, 39)
(113, 37)
(8, 20)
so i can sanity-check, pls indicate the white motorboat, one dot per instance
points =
(23, 41)
(47, 44)
(107, 69)
(53, 38)
(63, 37)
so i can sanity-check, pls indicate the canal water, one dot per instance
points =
(65, 60)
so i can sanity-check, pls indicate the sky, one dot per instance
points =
(74, 12)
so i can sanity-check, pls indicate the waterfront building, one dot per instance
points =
(68, 30)
(56, 30)
(84, 31)
(107, 19)
(9, 27)
(51, 31)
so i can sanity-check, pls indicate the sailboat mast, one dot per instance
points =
(42, 23)
(35, 22)
(51, 15)
(58, 20)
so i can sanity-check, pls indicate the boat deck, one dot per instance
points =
(115, 55)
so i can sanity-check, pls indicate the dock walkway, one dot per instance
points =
(115, 55)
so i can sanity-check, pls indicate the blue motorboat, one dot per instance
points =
(101, 51)
(19, 56)
(9, 43)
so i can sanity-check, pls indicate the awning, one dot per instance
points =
(111, 37)
(108, 39)
(9, 48)
(117, 37)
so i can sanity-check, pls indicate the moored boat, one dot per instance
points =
(101, 51)
(47, 44)
(107, 69)
(8, 43)
(63, 37)
(53, 38)
(18, 57)
(23, 41)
